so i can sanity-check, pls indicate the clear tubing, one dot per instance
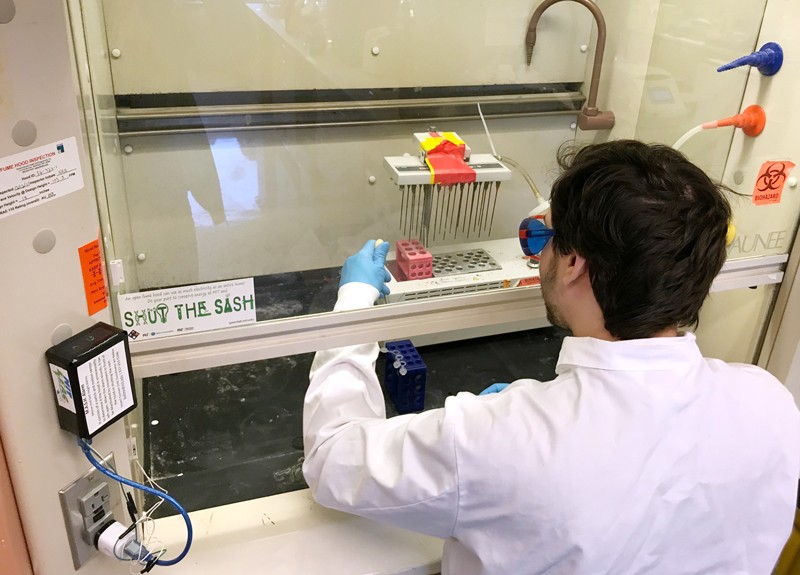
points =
(526, 176)
(511, 162)
(683, 139)
(485, 127)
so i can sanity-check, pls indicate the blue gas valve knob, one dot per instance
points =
(768, 60)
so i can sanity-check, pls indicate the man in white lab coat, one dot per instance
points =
(641, 456)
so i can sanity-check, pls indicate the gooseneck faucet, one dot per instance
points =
(590, 117)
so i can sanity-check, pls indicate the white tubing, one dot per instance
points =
(488, 135)
(682, 140)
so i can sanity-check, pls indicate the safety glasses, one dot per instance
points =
(534, 235)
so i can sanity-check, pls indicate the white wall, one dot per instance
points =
(217, 45)
(43, 291)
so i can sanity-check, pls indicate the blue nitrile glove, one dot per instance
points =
(494, 388)
(368, 267)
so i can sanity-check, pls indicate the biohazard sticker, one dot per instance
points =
(769, 184)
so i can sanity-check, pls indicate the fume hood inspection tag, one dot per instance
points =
(36, 176)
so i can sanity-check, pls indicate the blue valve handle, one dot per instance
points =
(768, 60)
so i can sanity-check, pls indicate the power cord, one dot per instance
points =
(125, 542)
(126, 495)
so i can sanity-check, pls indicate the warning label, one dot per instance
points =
(105, 387)
(770, 181)
(94, 281)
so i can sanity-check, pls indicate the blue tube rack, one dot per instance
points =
(406, 390)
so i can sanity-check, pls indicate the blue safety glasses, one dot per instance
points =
(534, 235)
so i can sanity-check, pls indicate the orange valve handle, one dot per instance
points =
(751, 121)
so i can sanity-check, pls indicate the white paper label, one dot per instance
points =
(63, 388)
(105, 386)
(36, 176)
(199, 307)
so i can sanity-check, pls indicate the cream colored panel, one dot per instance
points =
(219, 45)
(731, 323)
(13, 549)
(290, 534)
(683, 89)
(217, 206)
(42, 291)
(768, 229)
(781, 353)
(630, 28)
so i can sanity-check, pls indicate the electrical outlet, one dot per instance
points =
(88, 503)
(95, 507)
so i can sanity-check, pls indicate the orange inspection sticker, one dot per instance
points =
(94, 283)
(769, 184)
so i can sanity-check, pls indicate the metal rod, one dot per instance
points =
(470, 205)
(473, 209)
(451, 204)
(411, 200)
(159, 119)
(402, 203)
(414, 209)
(486, 210)
(467, 206)
(494, 205)
(426, 211)
(440, 208)
(458, 212)
(479, 217)
(419, 214)
(435, 211)
(405, 213)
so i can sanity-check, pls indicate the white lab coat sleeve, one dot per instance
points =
(400, 471)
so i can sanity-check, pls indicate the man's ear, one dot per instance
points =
(576, 268)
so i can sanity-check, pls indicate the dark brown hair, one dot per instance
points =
(651, 226)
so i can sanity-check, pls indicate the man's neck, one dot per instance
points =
(595, 332)
(600, 332)
(586, 320)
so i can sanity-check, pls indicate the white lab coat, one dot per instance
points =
(639, 457)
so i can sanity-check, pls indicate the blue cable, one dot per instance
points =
(84, 444)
